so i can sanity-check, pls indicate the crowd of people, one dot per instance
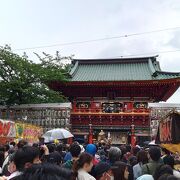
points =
(89, 162)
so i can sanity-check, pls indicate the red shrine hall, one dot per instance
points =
(113, 95)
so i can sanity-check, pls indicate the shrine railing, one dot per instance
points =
(101, 111)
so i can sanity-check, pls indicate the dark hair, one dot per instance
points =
(25, 155)
(83, 158)
(2, 148)
(101, 168)
(45, 172)
(161, 170)
(75, 150)
(123, 150)
(128, 148)
(155, 153)
(114, 154)
(118, 170)
(51, 147)
(1, 158)
(169, 160)
(142, 156)
(54, 158)
(22, 143)
(172, 177)
(12, 143)
(135, 150)
(132, 160)
(167, 177)
(59, 148)
(35, 145)
(6, 147)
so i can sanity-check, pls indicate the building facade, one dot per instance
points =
(113, 95)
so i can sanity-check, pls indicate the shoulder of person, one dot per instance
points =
(145, 168)
(176, 173)
(67, 164)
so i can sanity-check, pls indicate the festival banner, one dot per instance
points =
(32, 133)
(28, 132)
(19, 130)
(169, 128)
(7, 129)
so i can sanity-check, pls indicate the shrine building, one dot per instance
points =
(113, 95)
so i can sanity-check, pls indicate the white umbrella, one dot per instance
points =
(58, 133)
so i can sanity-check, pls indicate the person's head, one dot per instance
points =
(132, 160)
(35, 145)
(22, 143)
(155, 153)
(25, 157)
(123, 150)
(169, 160)
(84, 162)
(45, 172)
(1, 158)
(161, 170)
(13, 143)
(59, 148)
(55, 158)
(120, 171)
(51, 147)
(142, 157)
(2, 148)
(75, 150)
(128, 148)
(11, 167)
(91, 149)
(114, 154)
(135, 150)
(103, 171)
(167, 177)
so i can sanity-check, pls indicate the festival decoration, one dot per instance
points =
(7, 129)
(19, 130)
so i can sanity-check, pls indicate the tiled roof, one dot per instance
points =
(119, 70)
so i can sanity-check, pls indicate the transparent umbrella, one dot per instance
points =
(58, 133)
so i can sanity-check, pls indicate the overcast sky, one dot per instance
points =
(32, 23)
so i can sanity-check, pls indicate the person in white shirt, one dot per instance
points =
(82, 166)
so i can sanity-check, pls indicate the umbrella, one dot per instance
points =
(58, 133)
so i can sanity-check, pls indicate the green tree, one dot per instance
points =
(22, 81)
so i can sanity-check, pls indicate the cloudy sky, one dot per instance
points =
(35, 23)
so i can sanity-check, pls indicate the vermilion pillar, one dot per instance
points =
(133, 138)
(90, 134)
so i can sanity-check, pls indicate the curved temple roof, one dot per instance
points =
(121, 69)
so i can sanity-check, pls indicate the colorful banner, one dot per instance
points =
(19, 130)
(28, 132)
(32, 133)
(7, 129)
